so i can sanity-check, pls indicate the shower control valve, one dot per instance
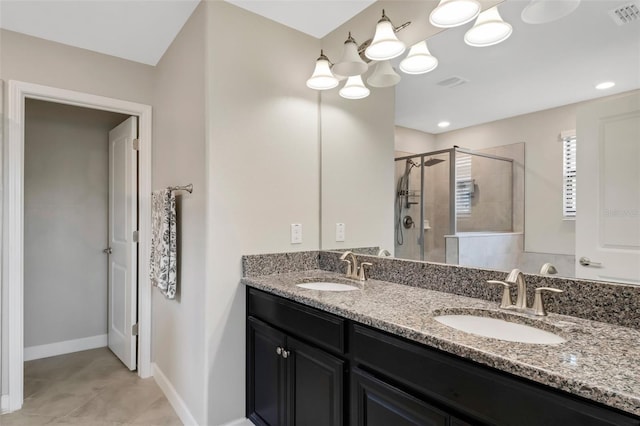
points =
(408, 222)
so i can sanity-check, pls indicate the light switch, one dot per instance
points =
(340, 231)
(296, 233)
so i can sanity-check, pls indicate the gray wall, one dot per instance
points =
(66, 192)
(178, 159)
(263, 175)
(34, 60)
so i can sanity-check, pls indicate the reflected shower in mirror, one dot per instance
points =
(520, 100)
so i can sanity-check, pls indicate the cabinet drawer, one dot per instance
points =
(308, 324)
(489, 396)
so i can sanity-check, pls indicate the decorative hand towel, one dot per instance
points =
(163, 242)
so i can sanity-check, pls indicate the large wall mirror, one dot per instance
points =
(493, 188)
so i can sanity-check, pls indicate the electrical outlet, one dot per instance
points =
(340, 231)
(296, 233)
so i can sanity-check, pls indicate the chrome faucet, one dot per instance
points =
(516, 277)
(355, 271)
(384, 253)
(548, 269)
(352, 265)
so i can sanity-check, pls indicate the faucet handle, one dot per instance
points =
(349, 267)
(538, 302)
(506, 294)
(362, 276)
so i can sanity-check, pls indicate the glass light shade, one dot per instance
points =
(451, 13)
(385, 45)
(322, 78)
(383, 75)
(351, 62)
(544, 11)
(488, 30)
(419, 60)
(354, 88)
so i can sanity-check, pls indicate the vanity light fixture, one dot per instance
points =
(383, 75)
(351, 63)
(452, 13)
(385, 45)
(488, 30)
(444, 124)
(322, 78)
(545, 11)
(354, 88)
(605, 85)
(419, 60)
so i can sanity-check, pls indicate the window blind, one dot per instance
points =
(464, 185)
(569, 176)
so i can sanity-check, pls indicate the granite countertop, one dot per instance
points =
(599, 361)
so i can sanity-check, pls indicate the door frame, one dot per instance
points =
(13, 223)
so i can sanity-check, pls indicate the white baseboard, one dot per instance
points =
(4, 404)
(239, 422)
(172, 395)
(66, 347)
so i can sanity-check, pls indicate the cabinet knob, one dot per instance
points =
(285, 354)
(279, 350)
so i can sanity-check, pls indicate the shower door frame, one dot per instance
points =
(453, 223)
(452, 201)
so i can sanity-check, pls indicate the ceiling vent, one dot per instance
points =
(452, 82)
(625, 14)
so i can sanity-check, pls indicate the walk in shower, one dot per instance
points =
(447, 198)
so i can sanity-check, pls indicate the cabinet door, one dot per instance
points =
(265, 374)
(315, 386)
(376, 403)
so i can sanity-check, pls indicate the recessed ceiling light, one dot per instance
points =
(443, 124)
(605, 85)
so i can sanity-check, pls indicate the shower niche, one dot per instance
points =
(461, 207)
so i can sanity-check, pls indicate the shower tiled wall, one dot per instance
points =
(495, 187)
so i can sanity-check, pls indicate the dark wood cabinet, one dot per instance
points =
(306, 367)
(266, 374)
(482, 394)
(315, 381)
(291, 381)
(376, 403)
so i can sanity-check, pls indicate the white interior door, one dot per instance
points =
(123, 258)
(608, 190)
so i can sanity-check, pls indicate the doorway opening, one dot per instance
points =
(70, 297)
(13, 238)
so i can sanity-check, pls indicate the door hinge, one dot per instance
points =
(135, 236)
(136, 144)
(134, 329)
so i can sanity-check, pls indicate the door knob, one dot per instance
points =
(585, 261)
(108, 250)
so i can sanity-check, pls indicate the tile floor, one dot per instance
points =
(89, 388)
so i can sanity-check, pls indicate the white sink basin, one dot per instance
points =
(499, 329)
(328, 286)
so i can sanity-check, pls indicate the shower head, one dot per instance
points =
(432, 162)
(412, 163)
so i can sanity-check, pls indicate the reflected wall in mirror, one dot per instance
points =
(525, 92)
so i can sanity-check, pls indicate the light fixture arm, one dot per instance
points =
(323, 56)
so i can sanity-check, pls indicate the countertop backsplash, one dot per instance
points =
(607, 302)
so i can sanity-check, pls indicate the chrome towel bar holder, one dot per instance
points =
(188, 188)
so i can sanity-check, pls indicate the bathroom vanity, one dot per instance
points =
(376, 356)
